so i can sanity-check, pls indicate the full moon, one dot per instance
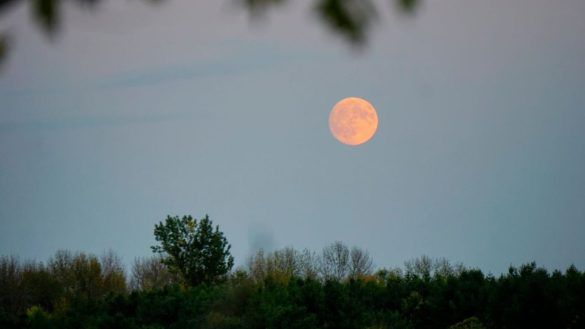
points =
(353, 121)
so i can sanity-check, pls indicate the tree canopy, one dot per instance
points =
(195, 249)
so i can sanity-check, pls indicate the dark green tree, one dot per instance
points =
(195, 249)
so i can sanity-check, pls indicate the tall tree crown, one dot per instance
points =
(194, 249)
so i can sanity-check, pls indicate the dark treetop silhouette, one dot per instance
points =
(194, 249)
(350, 19)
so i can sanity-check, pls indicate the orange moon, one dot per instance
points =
(353, 121)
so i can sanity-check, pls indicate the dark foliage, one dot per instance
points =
(194, 249)
(284, 289)
(525, 297)
(350, 19)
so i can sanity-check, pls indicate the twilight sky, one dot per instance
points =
(135, 111)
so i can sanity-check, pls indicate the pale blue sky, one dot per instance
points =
(135, 112)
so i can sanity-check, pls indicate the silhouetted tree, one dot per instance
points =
(360, 264)
(113, 275)
(308, 264)
(150, 273)
(279, 265)
(194, 249)
(335, 261)
(84, 277)
(283, 264)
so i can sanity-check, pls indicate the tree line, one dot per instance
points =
(190, 282)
